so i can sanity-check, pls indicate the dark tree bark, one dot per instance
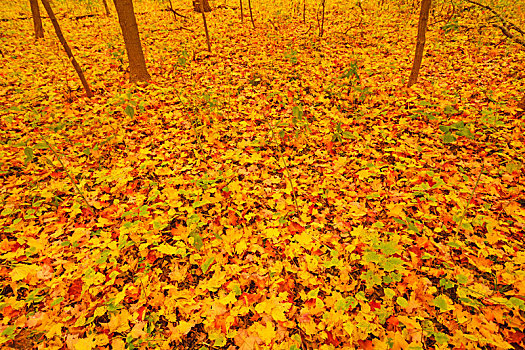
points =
(37, 20)
(130, 32)
(105, 3)
(421, 38)
(321, 27)
(64, 43)
(198, 8)
(251, 14)
(205, 25)
(242, 14)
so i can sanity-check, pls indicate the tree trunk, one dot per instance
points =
(251, 14)
(205, 25)
(420, 44)
(105, 3)
(64, 43)
(521, 104)
(37, 20)
(242, 14)
(304, 12)
(130, 32)
(198, 8)
(321, 27)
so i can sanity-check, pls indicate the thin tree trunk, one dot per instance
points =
(242, 14)
(130, 32)
(105, 3)
(304, 11)
(321, 30)
(420, 44)
(205, 25)
(251, 14)
(64, 43)
(37, 20)
(521, 104)
(197, 6)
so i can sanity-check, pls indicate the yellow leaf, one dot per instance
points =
(117, 344)
(262, 307)
(272, 232)
(304, 239)
(266, 333)
(85, 344)
(101, 339)
(229, 299)
(349, 327)
(138, 330)
(55, 329)
(395, 210)
(99, 311)
(119, 322)
(240, 247)
(279, 310)
(167, 249)
(22, 271)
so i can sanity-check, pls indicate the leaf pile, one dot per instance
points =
(283, 191)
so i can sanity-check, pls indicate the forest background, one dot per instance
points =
(284, 190)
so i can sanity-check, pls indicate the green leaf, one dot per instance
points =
(372, 257)
(389, 293)
(29, 154)
(197, 240)
(462, 279)
(450, 110)
(446, 283)
(198, 204)
(206, 265)
(458, 125)
(518, 303)
(441, 302)
(448, 138)
(41, 146)
(313, 293)
(392, 264)
(10, 330)
(129, 111)
(402, 302)
(441, 338)
(388, 248)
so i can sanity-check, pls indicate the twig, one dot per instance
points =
(468, 203)
(175, 13)
(486, 7)
(67, 172)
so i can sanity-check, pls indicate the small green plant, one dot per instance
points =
(339, 134)
(183, 58)
(458, 129)
(490, 117)
(291, 55)
(451, 26)
(130, 103)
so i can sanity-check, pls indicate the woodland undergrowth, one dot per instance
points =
(283, 191)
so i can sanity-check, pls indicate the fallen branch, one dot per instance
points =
(509, 35)
(509, 23)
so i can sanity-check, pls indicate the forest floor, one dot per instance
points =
(283, 191)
